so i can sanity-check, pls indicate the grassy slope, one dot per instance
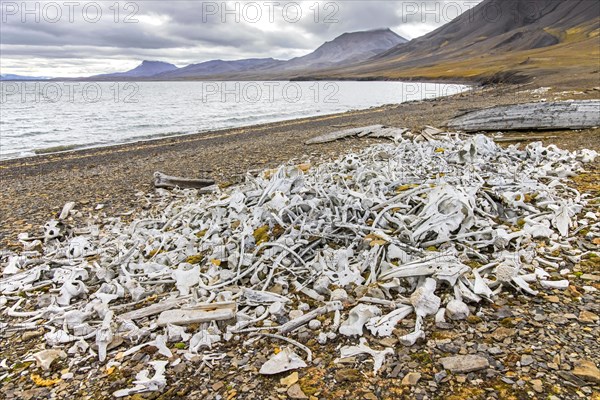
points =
(578, 53)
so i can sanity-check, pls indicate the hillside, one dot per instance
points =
(346, 49)
(219, 67)
(527, 38)
(144, 70)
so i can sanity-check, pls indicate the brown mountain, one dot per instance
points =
(496, 40)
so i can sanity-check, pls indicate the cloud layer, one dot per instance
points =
(80, 38)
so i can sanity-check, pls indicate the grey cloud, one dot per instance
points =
(176, 31)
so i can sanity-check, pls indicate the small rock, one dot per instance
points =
(504, 312)
(314, 324)
(296, 314)
(217, 386)
(347, 375)
(502, 333)
(590, 277)
(553, 299)
(411, 379)
(526, 360)
(537, 385)
(440, 376)
(289, 380)
(32, 334)
(322, 338)
(464, 364)
(295, 392)
(587, 370)
(588, 317)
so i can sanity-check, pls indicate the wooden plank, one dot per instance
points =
(531, 116)
(169, 182)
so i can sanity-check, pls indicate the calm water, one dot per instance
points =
(39, 117)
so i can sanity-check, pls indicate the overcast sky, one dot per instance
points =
(81, 38)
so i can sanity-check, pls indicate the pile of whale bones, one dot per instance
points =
(435, 226)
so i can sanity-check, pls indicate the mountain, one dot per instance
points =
(496, 40)
(218, 67)
(348, 48)
(13, 77)
(345, 49)
(144, 70)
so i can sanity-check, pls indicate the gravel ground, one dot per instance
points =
(543, 347)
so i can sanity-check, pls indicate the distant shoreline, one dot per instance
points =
(449, 81)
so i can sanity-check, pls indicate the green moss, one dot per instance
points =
(422, 357)
(195, 259)
(180, 345)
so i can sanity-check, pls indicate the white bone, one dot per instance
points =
(385, 325)
(363, 348)
(285, 360)
(357, 318)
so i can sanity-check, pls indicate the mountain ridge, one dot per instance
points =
(518, 45)
(347, 48)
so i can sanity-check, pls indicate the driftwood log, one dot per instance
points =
(170, 182)
(531, 116)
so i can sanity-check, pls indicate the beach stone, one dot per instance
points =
(295, 392)
(590, 277)
(314, 324)
(464, 364)
(588, 317)
(347, 375)
(32, 334)
(411, 379)
(440, 376)
(553, 299)
(537, 385)
(526, 360)
(502, 333)
(587, 370)
(290, 379)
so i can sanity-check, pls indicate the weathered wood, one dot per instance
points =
(531, 116)
(169, 182)
(333, 136)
